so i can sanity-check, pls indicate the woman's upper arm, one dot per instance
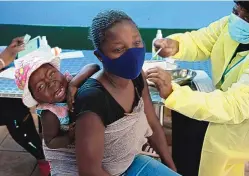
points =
(89, 135)
(50, 125)
(91, 117)
(148, 106)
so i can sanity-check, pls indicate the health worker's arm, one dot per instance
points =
(197, 45)
(230, 107)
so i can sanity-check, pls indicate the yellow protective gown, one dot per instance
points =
(226, 145)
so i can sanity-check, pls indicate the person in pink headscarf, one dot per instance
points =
(45, 87)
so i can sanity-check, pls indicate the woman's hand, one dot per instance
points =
(169, 47)
(9, 54)
(161, 79)
(168, 161)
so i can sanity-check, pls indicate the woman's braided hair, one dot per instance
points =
(102, 22)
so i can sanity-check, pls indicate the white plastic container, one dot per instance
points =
(159, 35)
(44, 40)
(161, 64)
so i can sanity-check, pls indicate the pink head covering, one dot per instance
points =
(25, 67)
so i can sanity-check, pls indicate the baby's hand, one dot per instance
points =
(71, 95)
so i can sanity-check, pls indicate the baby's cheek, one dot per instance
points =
(50, 98)
(43, 97)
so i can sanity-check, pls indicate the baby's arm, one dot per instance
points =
(53, 136)
(86, 72)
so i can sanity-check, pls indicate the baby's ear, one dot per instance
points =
(96, 53)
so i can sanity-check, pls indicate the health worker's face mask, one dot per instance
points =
(128, 65)
(238, 29)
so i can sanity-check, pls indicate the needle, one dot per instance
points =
(156, 53)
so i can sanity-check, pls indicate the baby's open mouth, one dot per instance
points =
(60, 92)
